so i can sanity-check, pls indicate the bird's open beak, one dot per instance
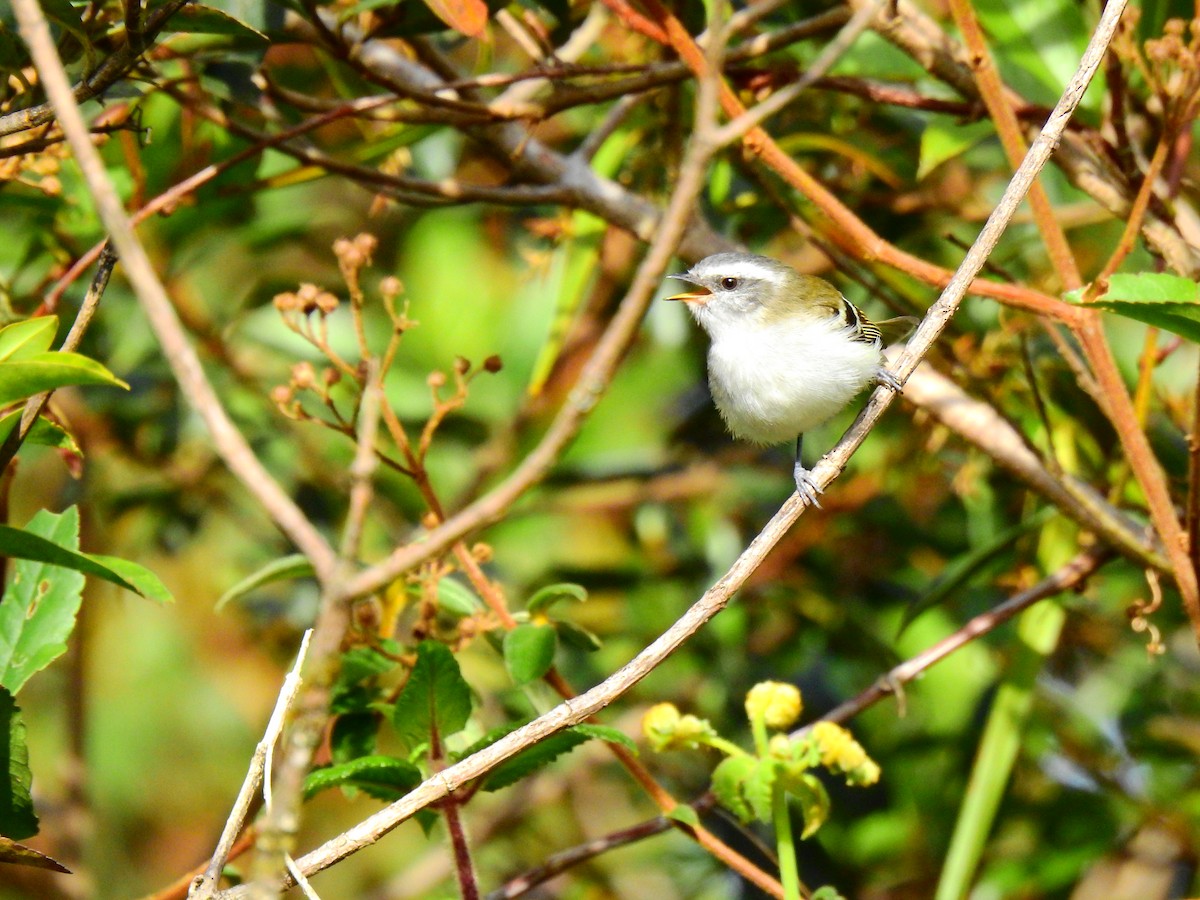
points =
(698, 294)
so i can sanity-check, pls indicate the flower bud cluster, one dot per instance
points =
(668, 729)
(776, 703)
(840, 752)
(307, 299)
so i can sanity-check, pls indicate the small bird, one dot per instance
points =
(788, 351)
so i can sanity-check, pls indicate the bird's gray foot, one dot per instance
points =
(887, 379)
(806, 485)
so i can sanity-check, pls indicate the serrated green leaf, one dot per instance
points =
(529, 652)
(1169, 302)
(546, 597)
(19, 855)
(606, 733)
(385, 778)
(456, 598)
(1182, 319)
(20, 340)
(577, 636)
(759, 787)
(728, 784)
(492, 735)
(284, 569)
(37, 612)
(435, 697)
(685, 814)
(21, 378)
(546, 751)
(810, 795)
(1152, 287)
(17, 818)
(353, 736)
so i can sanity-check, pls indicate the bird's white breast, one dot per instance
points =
(774, 382)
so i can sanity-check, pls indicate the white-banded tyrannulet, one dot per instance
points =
(788, 350)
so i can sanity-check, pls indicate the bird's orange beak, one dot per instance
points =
(697, 294)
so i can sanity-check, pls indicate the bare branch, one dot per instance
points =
(185, 365)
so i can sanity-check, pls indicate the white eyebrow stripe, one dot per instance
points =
(746, 269)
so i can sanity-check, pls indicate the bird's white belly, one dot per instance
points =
(772, 384)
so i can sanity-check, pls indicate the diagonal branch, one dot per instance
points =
(185, 365)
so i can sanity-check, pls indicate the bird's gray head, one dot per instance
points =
(743, 287)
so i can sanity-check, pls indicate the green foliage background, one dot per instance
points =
(147, 725)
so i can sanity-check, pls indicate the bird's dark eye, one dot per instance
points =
(729, 283)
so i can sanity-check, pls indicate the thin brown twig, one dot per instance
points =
(1083, 156)
(171, 197)
(839, 223)
(87, 310)
(1067, 578)
(114, 67)
(229, 441)
(1137, 214)
(995, 97)
(565, 860)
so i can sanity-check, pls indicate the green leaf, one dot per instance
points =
(197, 19)
(17, 818)
(759, 787)
(685, 814)
(353, 736)
(19, 855)
(1037, 44)
(552, 593)
(456, 598)
(43, 432)
(37, 612)
(26, 543)
(143, 581)
(492, 735)
(1165, 301)
(577, 636)
(31, 375)
(361, 663)
(945, 138)
(529, 652)
(385, 778)
(21, 340)
(728, 783)
(546, 751)
(813, 800)
(283, 569)
(435, 698)
(607, 734)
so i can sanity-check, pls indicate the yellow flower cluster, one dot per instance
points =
(842, 753)
(778, 704)
(667, 729)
